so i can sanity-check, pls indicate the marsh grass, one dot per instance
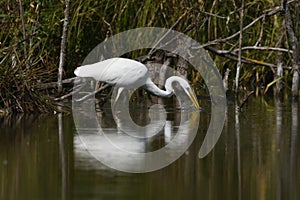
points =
(92, 21)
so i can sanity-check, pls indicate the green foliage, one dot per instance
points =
(92, 21)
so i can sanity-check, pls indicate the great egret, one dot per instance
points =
(127, 73)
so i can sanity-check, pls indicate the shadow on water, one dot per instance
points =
(257, 157)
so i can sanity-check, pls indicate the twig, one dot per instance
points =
(209, 28)
(75, 90)
(111, 32)
(261, 32)
(171, 28)
(212, 14)
(263, 48)
(255, 48)
(54, 84)
(239, 64)
(93, 93)
(240, 108)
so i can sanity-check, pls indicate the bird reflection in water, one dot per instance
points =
(113, 144)
(129, 146)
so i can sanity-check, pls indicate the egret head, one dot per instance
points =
(186, 87)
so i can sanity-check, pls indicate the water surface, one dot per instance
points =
(256, 157)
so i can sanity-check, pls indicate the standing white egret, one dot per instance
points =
(127, 73)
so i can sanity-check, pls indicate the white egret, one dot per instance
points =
(127, 73)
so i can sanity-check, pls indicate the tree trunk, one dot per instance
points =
(295, 46)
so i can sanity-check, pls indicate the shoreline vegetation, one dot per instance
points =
(254, 44)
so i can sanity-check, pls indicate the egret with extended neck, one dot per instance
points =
(127, 73)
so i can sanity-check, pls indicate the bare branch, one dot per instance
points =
(239, 64)
(93, 93)
(74, 90)
(261, 32)
(171, 28)
(267, 13)
(64, 82)
(212, 14)
(230, 55)
(63, 46)
(263, 49)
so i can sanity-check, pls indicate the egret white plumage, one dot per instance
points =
(127, 73)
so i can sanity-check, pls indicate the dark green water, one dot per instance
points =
(256, 157)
